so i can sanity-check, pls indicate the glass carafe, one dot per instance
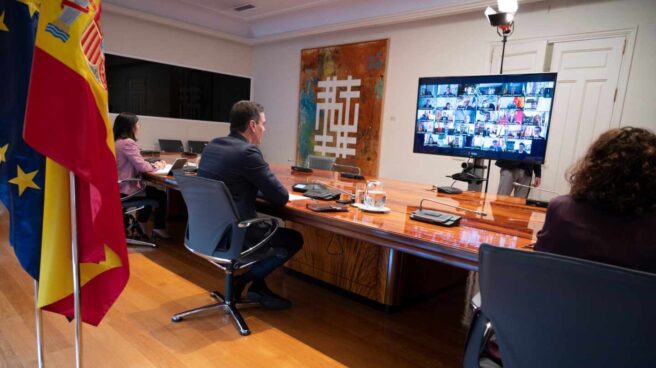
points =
(374, 196)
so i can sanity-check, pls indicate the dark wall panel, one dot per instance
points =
(155, 89)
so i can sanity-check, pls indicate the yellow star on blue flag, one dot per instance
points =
(3, 153)
(20, 191)
(3, 26)
(24, 180)
(32, 5)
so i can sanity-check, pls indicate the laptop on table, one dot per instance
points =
(168, 169)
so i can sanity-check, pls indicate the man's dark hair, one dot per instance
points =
(618, 173)
(124, 126)
(242, 112)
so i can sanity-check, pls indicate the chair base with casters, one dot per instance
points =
(229, 302)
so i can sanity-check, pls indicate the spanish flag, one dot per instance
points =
(67, 121)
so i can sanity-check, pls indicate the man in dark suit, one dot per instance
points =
(237, 161)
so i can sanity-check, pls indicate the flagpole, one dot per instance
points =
(39, 326)
(76, 274)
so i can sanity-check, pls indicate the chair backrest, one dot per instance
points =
(171, 145)
(212, 228)
(549, 310)
(320, 162)
(196, 146)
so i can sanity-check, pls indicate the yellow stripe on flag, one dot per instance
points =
(56, 280)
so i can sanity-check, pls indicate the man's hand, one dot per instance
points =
(537, 182)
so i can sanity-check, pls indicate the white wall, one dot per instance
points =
(454, 45)
(142, 39)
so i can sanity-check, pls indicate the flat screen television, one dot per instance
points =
(487, 116)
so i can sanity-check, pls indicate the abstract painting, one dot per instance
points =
(341, 103)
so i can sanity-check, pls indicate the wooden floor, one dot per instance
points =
(323, 329)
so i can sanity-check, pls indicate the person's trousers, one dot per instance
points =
(508, 177)
(285, 242)
(160, 213)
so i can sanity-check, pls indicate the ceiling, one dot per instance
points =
(272, 20)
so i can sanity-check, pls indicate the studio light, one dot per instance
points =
(504, 21)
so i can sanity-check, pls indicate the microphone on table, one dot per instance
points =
(536, 202)
(481, 213)
(334, 187)
(299, 168)
(354, 173)
(536, 188)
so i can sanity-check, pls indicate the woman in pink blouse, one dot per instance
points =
(131, 164)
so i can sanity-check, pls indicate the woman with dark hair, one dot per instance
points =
(610, 214)
(130, 164)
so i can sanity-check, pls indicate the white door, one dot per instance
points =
(588, 73)
(519, 58)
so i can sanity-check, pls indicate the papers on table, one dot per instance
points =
(295, 197)
(177, 165)
(165, 170)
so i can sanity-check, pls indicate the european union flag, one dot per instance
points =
(22, 170)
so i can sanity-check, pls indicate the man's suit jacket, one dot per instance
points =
(241, 166)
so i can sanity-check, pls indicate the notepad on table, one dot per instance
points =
(169, 168)
(165, 170)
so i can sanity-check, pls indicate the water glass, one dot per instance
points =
(375, 196)
(360, 188)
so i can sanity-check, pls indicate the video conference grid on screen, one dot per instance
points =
(496, 117)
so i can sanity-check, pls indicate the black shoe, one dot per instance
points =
(268, 299)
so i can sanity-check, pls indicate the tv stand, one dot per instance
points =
(480, 169)
(449, 190)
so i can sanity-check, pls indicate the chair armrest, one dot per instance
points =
(249, 222)
(273, 223)
(477, 337)
(129, 180)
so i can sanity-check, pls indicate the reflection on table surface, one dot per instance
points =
(508, 223)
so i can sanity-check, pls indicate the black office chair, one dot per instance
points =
(216, 233)
(171, 145)
(320, 162)
(131, 204)
(196, 146)
(553, 311)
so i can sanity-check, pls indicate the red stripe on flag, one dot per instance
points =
(95, 52)
(63, 122)
(86, 45)
(94, 42)
(85, 36)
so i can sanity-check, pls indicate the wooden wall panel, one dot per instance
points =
(351, 264)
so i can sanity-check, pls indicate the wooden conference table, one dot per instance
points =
(382, 256)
